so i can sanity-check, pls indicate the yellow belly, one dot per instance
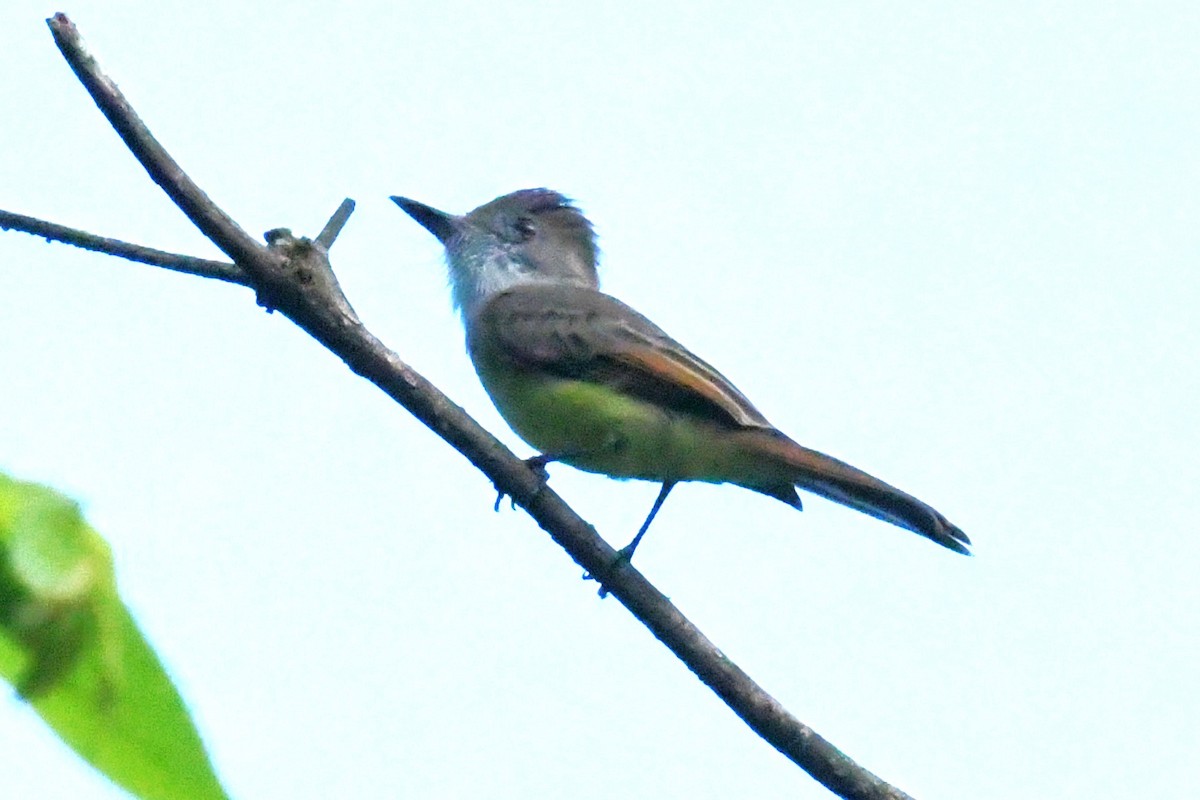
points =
(595, 428)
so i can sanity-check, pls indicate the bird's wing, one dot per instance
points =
(587, 335)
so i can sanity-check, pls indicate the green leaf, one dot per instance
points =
(72, 650)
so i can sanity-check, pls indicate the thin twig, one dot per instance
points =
(204, 214)
(330, 232)
(52, 232)
(294, 276)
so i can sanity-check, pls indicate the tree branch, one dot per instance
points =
(51, 232)
(214, 223)
(293, 275)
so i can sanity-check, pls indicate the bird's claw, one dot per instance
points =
(624, 555)
(538, 466)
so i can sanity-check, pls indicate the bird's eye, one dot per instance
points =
(524, 228)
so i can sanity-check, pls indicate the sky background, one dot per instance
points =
(953, 244)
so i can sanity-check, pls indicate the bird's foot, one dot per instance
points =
(538, 465)
(624, 556)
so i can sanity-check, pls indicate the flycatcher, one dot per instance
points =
(590, 382)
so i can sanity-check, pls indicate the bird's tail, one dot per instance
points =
(797, 466)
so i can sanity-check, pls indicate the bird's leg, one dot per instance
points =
(538, 465)
(626, 552)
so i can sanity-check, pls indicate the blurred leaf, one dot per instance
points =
(72, 650)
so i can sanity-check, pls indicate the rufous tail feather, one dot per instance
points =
(838, 481)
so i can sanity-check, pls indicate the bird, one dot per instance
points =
(590, 382)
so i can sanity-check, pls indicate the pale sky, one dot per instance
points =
(953, 244)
